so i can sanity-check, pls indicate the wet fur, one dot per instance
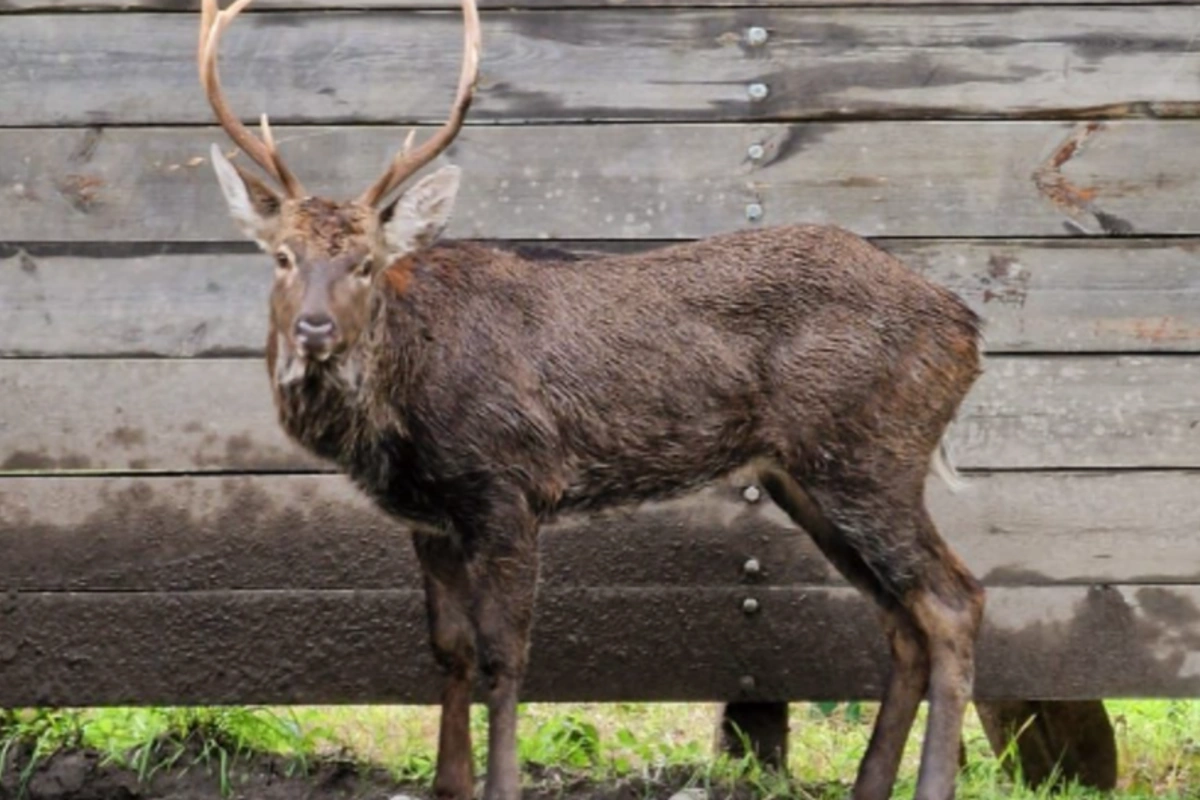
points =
(601, 382)
(491, 393)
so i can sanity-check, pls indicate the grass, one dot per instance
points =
(1159, 745)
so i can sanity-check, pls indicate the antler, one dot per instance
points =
(212, 22)
(408, 161)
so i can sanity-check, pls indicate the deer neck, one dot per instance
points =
(317, 402)
(342, 408)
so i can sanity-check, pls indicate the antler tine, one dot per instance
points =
(407, 161)
(212, 22)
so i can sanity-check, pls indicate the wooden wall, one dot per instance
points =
(161, 541)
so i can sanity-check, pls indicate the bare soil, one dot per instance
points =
(82, 774)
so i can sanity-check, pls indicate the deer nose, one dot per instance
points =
(314, 329)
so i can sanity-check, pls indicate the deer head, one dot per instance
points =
(327, 252)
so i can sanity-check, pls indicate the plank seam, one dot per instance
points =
(140, 248)
(1115, 112)
(165, 474)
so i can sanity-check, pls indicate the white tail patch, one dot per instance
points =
(944, 469)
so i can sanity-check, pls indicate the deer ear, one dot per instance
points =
(252, 204)
(419, 216)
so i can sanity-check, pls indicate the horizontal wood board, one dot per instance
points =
(214, 415)
(931, 179)
(271, 6)
(598, 645)
(177, 534)
(1070, 296)
(676, 64)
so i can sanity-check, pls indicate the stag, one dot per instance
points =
(476, 395)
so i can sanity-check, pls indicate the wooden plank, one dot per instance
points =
(1071, 296)
(344, 67)
(191, 6)
(957, 179)
(1074, 296)
(683, 644)
(215, 415)
(317, 532)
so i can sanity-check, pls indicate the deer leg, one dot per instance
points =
(948, 608)
(910, 664)
(906, 687)
(939, 614)
(503, 573)
(447, 604)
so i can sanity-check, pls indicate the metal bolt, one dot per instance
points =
(756, 151)
(752, 567)
(750, 606)
(747, 683)
(754, 212)
(758, 91)
(756, 36)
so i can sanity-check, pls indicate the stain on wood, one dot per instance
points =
(1076, 201)
(294, 532)
(622, 64)
(606, 644)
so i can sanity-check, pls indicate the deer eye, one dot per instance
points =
(283, 260)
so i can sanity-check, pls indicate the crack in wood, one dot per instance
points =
(1078, 202)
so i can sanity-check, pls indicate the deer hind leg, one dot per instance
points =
(948, 608)
(503, 568)
(884, 548)
(447, 605)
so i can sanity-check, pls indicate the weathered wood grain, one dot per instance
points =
(190, 6)
(317, 532)
(959, 179)
(214, 415)
(1071, 296)
(601, 645)
(387, 67)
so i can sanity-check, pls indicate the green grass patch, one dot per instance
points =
(562, 745)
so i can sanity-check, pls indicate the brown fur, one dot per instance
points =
(477, 394)
(399, 275)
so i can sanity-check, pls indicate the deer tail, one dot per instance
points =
(944, 469)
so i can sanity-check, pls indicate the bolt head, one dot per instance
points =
(747, 683)
(752, 567)
(757, 91)
(750, 606)
(754, 212)
(756, 152)
(756, 36)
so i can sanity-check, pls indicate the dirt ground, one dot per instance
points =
(82, 775)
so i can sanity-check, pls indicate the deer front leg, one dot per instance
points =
(503, 572)
(447, 604)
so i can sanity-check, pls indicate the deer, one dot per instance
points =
(476, 395)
